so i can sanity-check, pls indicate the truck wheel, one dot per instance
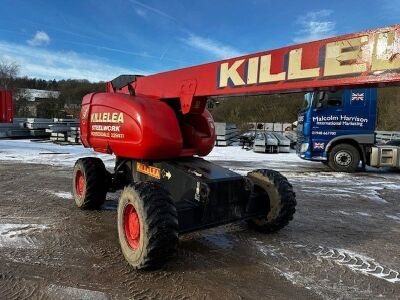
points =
(89, 185)
(344, 158)
(272, 187)
(147, 225)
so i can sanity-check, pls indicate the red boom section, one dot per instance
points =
(6, 107)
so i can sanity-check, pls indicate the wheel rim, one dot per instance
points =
(131, 226)
(79, 183)
(343, 158)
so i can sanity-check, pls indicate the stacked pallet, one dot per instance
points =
(227, 134)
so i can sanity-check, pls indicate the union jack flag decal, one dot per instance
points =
(357, 96)
(319, 145)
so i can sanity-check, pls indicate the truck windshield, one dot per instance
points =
(307, 102)
(329, 99)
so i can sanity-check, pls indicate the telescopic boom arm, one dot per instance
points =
(370, 58)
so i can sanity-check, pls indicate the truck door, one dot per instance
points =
(326, 120)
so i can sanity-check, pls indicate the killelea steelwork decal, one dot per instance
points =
(100, 124)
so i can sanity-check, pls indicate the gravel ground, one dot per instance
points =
(343, 243)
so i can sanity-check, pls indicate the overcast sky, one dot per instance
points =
(98, 40)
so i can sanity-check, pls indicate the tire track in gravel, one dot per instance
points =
(358, 263)
(331, 272)
(320, 269)
(79, 254)
(13, 287)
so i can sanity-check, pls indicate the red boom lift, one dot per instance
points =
(157, 127)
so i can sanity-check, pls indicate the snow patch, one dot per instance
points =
(364, 214)
(236, 153)
(72, 293)
(48, 153)
(268, 250)
(63, 195)
(397, 218)
(392, 186)
(18, 235)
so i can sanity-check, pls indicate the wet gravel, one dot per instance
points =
(343, 243)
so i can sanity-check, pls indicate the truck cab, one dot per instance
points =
(337, 127)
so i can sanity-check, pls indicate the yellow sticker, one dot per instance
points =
(148, 170)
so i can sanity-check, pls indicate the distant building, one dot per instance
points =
(35, 95)
(41, 103)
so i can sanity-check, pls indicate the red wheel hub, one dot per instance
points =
(79, 183)
(131, 226)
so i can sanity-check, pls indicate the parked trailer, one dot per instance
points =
(157, 127)
(6, 107)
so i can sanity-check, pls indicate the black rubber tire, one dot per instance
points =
(348, 151)
(158, 225)
(96, 183)
(273, 187)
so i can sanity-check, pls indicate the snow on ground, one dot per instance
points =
(66, 155)
(298, 171)
(16, 235)
(63, 195)
(236, 153)
(47, 153)
(71, 293)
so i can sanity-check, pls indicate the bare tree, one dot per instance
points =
(8, 71)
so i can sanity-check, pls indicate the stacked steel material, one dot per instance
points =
(57, 129)
(20, 129)
(227, 134)
(61, 129)
(74, 135)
